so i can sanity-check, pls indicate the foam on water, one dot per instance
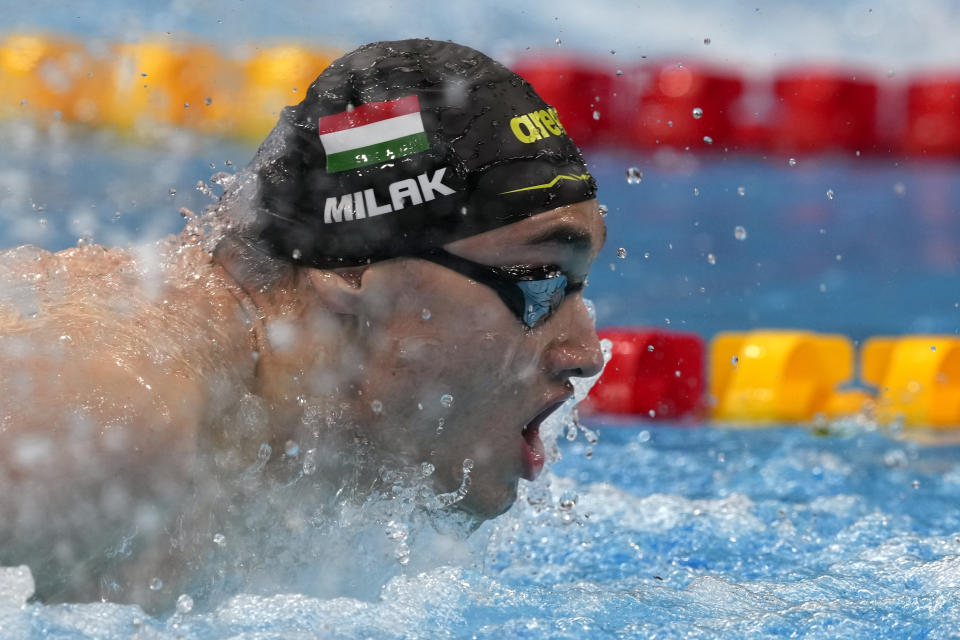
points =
(667, 532)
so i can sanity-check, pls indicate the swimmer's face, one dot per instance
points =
(454, 374)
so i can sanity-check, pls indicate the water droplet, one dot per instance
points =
(296, 254)
(619, 72)
(677, 373)
(377, 407)
(603, 210)
(156, 584)
(446, 400)
(467, 465)
(291, 448)
(823, 287)
(588, 454)
(558, 41)
(697, 113)
(219, 539)
(310, 462)
(208, 101)
(708, 139)
(696, 191)
(172, 192)
(712, 259)
(899, 188)
(186, 105)
(792, 162)
(634, 175)
(568, 500)
(933, 347)
(596, 115)
(425, 314)
(613, 52)
(184, 604)
(830, 194)
(916, 484)
(621, 253)
(263, 453)
(739, 233)
(426, 469)
(649, 347)
(741, 191)
(706, 41)
(735, 360)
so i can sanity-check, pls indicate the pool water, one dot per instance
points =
(663, 532)
(655, 530)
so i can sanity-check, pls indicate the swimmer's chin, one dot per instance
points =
(487, 505)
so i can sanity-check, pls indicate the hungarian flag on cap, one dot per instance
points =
(373, 133)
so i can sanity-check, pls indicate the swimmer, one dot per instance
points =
(395, 279)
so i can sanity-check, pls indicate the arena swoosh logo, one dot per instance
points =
(580, 177)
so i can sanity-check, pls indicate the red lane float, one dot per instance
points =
(933, 125)
(684, 106)
(822, 109)
(652, 373)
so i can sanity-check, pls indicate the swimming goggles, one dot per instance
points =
(531, 293)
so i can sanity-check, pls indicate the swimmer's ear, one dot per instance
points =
(338, 290)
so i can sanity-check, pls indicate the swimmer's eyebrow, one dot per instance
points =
(566, 234)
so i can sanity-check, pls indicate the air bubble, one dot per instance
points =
(712, 259)
(425, 314)
(426, 469)
(219, 539)
(734, 361)
(156, 584)
(377, 407)
(296, 254)
(650, 347)
(621, 253)
(172, 192)
(739, 232)
(697, 113)
(741, 191)
(634, 175)
(291, 448)
(619, 72)
(677, 373)
(708, 139)
(706, 41)
(603, 210)
(596, 115)
(446, 400)
(830, 194)
(696, 191)
(558, 41)
(652, 413)
(792, 162)
(588, 454)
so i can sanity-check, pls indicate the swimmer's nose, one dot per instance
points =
(575, 349)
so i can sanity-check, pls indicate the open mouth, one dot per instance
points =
(533, 457)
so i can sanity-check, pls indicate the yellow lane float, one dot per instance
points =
(917, 379)
(781, 376)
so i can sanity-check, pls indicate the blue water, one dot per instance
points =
(664, 531)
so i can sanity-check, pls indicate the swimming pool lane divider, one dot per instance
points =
(775, 376)
(145, 88)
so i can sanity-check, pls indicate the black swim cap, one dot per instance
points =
(403, 146)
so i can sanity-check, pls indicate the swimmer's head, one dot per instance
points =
(435, 224)
(402, 147)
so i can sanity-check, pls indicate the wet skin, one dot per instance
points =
(420, 332)
(130, 379)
